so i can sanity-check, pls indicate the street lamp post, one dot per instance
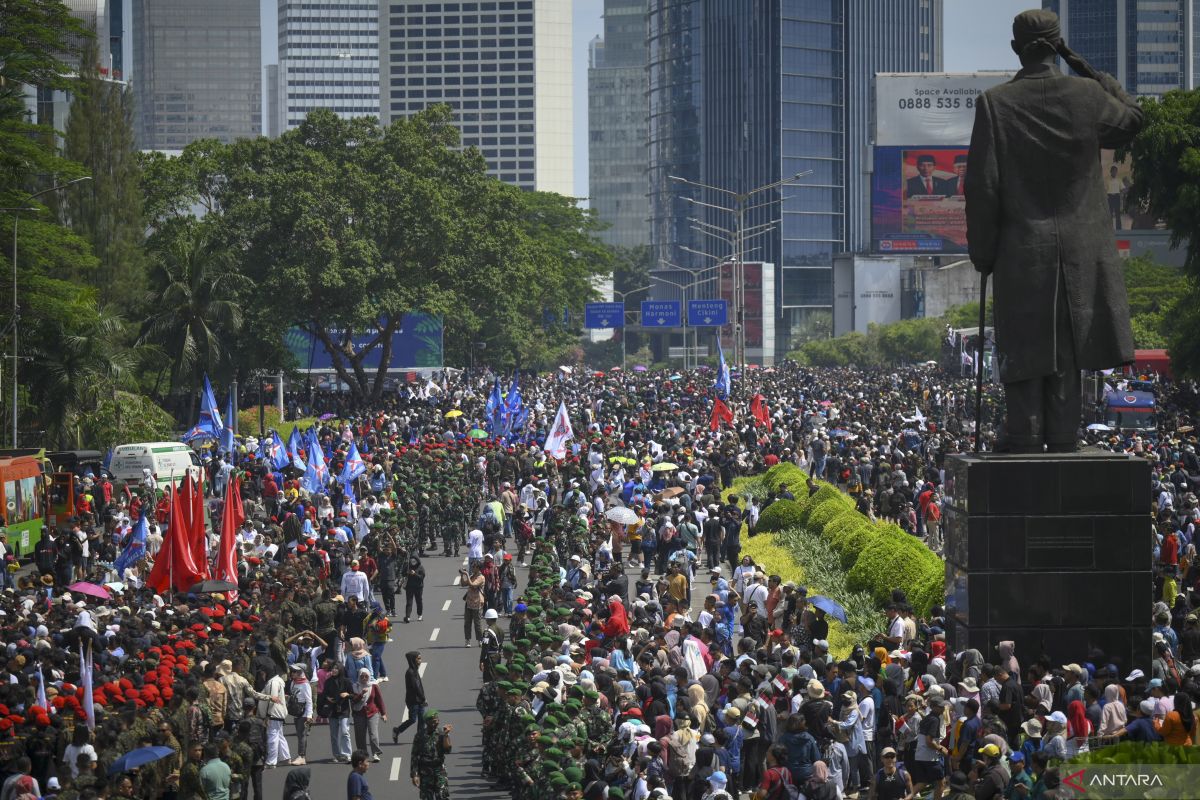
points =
(14, 323)
(623, 295)
(738, 210)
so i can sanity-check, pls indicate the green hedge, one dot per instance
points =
(825, 493)
(789, 473)
(825, 514)
(849, 534)
(780, 516)
(895, 559)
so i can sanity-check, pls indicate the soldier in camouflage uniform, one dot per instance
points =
(428, 763)
(489, 703)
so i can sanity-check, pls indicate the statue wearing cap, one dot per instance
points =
(1038, 222)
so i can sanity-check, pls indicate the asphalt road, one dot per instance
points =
(452, 683)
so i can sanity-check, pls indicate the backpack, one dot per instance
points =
(292, 702)
(787, 789)
(682, 754)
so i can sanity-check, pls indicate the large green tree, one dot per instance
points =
(343, 226)
(1166, 181)
(107, 211)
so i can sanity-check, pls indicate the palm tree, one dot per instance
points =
(195, 304)
(74, 364)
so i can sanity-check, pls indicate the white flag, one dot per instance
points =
(560, 432)
(85, 680)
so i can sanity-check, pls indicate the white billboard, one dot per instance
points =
(876, 292)
(934, 108)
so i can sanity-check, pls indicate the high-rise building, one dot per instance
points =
(503, 66)
(617, 151)
(1150, 46)
(746, 93)
(328, 58)
(198, 71)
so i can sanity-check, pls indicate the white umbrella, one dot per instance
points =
(622, 515)
(1098, 426)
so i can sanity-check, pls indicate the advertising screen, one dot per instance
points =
(753, 312)
(917, 203)
(418, 343)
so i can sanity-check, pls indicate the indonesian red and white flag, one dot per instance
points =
(560, 432)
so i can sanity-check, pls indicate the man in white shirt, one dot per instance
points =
(895, 631)
(474, 549)
(755, 595)
(356, 584)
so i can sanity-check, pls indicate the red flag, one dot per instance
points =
(760, 412)
(174, 566)
(197, 537)
(720, 413)
(232, 517)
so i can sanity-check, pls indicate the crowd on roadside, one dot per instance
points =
(220, 678)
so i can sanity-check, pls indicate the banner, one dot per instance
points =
(417, 344)
(917, 201)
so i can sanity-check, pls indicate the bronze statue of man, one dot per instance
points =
(1038, 221)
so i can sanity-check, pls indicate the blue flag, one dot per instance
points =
(512, 405)
(317, 473)
(210, 425)
(354, 465)
(721, 386)
(108, 460)
(227, 428)
(277, 452)
(135, 549)
(494, 407)
(296, 449)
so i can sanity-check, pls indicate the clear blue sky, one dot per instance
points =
(977, 35)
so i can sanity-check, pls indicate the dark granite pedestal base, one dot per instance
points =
(1052, 552)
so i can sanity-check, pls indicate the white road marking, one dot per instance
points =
(433, 636)
(457, 580)
(465, 561)
(394, 775)
(446, 606)
(421, 672)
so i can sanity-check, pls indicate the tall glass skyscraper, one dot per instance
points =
(744, 93)
(617, 124)
(198, 70)
(1150, 46)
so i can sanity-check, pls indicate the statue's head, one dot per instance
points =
(1036, 35)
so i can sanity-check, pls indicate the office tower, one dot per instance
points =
(503, 66)
(198, 71)
(617, 152)
(745, 93)
(1148, 45)
(328, 58)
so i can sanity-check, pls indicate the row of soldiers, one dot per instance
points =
(537, 755)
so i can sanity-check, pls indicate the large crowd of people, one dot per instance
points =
(645, 658)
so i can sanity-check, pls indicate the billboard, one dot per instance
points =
(416, 344)
(922, 131)
(917, 202)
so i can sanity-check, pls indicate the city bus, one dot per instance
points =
(23, 498)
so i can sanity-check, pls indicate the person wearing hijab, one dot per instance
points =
(819, 787)
(1113, 715)
(334, 705)
(369, 709)
(698, 705)
(1178, 726)
(358, 658)
(295, 786)
(1078, 728)
(1007, 657)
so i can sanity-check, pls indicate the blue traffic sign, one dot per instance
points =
(703, 313)
(604, 315)
(661, 314)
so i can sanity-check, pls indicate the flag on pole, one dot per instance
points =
(316, 474)
(296, 449)
(277, 451)
(227, 428)
(722, 385)
(560, 432)
(760, 412)
(232, 517)
(174, 566)
(135, 547)
(720, 413)
(210, 424)
(85, 680)
(354, 465)
(42, 700)
(494, 407)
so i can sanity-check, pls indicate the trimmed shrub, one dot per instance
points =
(849, 535)
(929, 590)
(780, 516)
(892, 560)
(826, 493)
(825, 514)
(786, 472)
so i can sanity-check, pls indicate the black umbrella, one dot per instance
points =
(210, 586)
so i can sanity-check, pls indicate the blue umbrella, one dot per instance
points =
(139, 758)
(830, 606)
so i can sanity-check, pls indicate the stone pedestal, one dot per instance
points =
(1050, 551)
